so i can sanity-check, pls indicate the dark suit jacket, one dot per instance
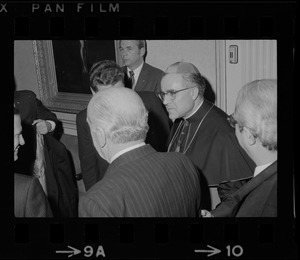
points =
(145, 183)
(60, 179)
(30, 109)
(148, 80)
(256, 197)
(93, 167)
(30, 199)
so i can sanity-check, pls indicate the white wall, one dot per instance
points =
(257, 59)
(162, 53)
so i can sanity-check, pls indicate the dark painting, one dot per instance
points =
(73, 60)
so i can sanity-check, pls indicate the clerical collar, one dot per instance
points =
(186, 121)
(125, 151)
(185, 118)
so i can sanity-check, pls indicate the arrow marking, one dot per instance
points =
(214, 251)
(74, 251)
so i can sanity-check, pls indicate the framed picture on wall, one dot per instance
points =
(63, 70)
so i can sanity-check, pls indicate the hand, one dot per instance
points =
(206, 214)
(42, 126)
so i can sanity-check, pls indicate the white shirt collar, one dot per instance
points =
(125, 151)
(137, 72)
(260, 168)
(194, 111)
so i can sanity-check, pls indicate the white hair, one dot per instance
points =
(121, 113)
(256, 108)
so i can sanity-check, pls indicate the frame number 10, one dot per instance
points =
(236, 250)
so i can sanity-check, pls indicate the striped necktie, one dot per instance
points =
(131, 79)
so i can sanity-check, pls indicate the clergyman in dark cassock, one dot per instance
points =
(201, 131)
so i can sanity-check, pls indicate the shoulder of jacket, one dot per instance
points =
(21, 94)
(82, 113)
(148, 66)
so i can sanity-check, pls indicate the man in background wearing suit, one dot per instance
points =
(255, 124)
(106, 74)
(139, 75)
(29, 197)
(139, 182)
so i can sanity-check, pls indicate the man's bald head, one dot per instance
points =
(120, 112)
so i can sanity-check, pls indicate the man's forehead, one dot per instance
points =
(127, 43)
(172, 81)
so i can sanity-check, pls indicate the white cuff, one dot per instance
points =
(53, 125)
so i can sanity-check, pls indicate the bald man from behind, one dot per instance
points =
(139, 181)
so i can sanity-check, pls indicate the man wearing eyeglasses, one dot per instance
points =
(255, 124)
(201, 131)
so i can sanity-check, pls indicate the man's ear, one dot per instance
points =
(101, 136)
(93, 92)
(142, 51)
(250, 138)
(195, 93)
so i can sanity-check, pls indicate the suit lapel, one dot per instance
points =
(142, 78)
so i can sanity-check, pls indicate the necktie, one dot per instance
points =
(182, 136)
(131, 79)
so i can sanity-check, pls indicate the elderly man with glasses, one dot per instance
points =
(255, 124)
(201, 131)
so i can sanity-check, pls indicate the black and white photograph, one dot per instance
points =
(150, 128)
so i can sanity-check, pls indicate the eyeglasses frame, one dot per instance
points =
(232, 122)
(172, 92)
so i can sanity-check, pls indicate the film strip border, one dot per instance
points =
(151, 19)
(165, 238)
(154, 238)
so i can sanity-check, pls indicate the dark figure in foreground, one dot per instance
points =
(47, 158)
(139, 182)
(36, 119)
(29, 197)
(255, 123)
